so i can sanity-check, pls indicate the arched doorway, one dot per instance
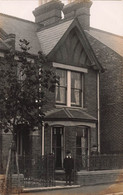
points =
(58, 145)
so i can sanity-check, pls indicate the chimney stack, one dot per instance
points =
(79, 9)
(49, 12)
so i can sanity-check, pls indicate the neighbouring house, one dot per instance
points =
(109, 50)
(9, 40)
(85, 113)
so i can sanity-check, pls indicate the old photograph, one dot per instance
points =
(61, 97)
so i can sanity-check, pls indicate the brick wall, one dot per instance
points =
(90, 95)
(35, 140)
(98, 177)
(47, 140)
(93, 137)
(111, 97)
(0, 142)
(6, 143)
(70, 139)
(51, 101)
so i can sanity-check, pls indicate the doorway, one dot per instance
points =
(57, 146)
(23, 140)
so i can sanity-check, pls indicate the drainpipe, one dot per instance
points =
(98, 109)
(42, 138)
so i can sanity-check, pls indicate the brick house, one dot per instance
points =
(79, 54)
(8, 40)
(109, 50)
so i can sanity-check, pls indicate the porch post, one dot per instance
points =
(42, 138)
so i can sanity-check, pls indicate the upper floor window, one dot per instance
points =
(61, 88)
(69, 92)
(76, 88)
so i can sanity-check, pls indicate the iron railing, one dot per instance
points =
(98, 162)
(80, 162)
(105, 162)
(37, 170)
(43, 167)
(34, 171)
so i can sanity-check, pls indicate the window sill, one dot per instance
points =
(63, 106)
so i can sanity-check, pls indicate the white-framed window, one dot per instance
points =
(69, 91)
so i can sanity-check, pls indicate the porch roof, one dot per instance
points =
(69, 114)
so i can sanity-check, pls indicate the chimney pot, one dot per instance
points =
(48, 13)
(79, 9)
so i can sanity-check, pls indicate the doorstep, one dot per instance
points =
(38, 189)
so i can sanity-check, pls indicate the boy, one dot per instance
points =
(68, 167)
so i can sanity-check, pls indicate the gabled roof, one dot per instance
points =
(23, 29)
(69, 114)
(113, 41)
(49, 37)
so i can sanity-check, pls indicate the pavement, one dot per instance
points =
(50, 188)
(61, 188)
(102, 189)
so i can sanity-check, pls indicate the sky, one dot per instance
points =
(105, 15)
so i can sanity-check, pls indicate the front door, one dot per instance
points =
(57, 146)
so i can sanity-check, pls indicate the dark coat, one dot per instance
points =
(68, 164)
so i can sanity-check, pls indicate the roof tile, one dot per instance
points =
(112, 41)
(23, 29)
(49, 37)
(69, 113)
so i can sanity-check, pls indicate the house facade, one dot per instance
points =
(85, 112)
(73, 122)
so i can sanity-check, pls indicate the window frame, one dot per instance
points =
(63, 87)
(68, 87)
(77, 89)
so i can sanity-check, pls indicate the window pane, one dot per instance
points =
(76, 80)
(76, 88)
(60, 95)
(62, 77)
(61, 88)
(75, 97)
